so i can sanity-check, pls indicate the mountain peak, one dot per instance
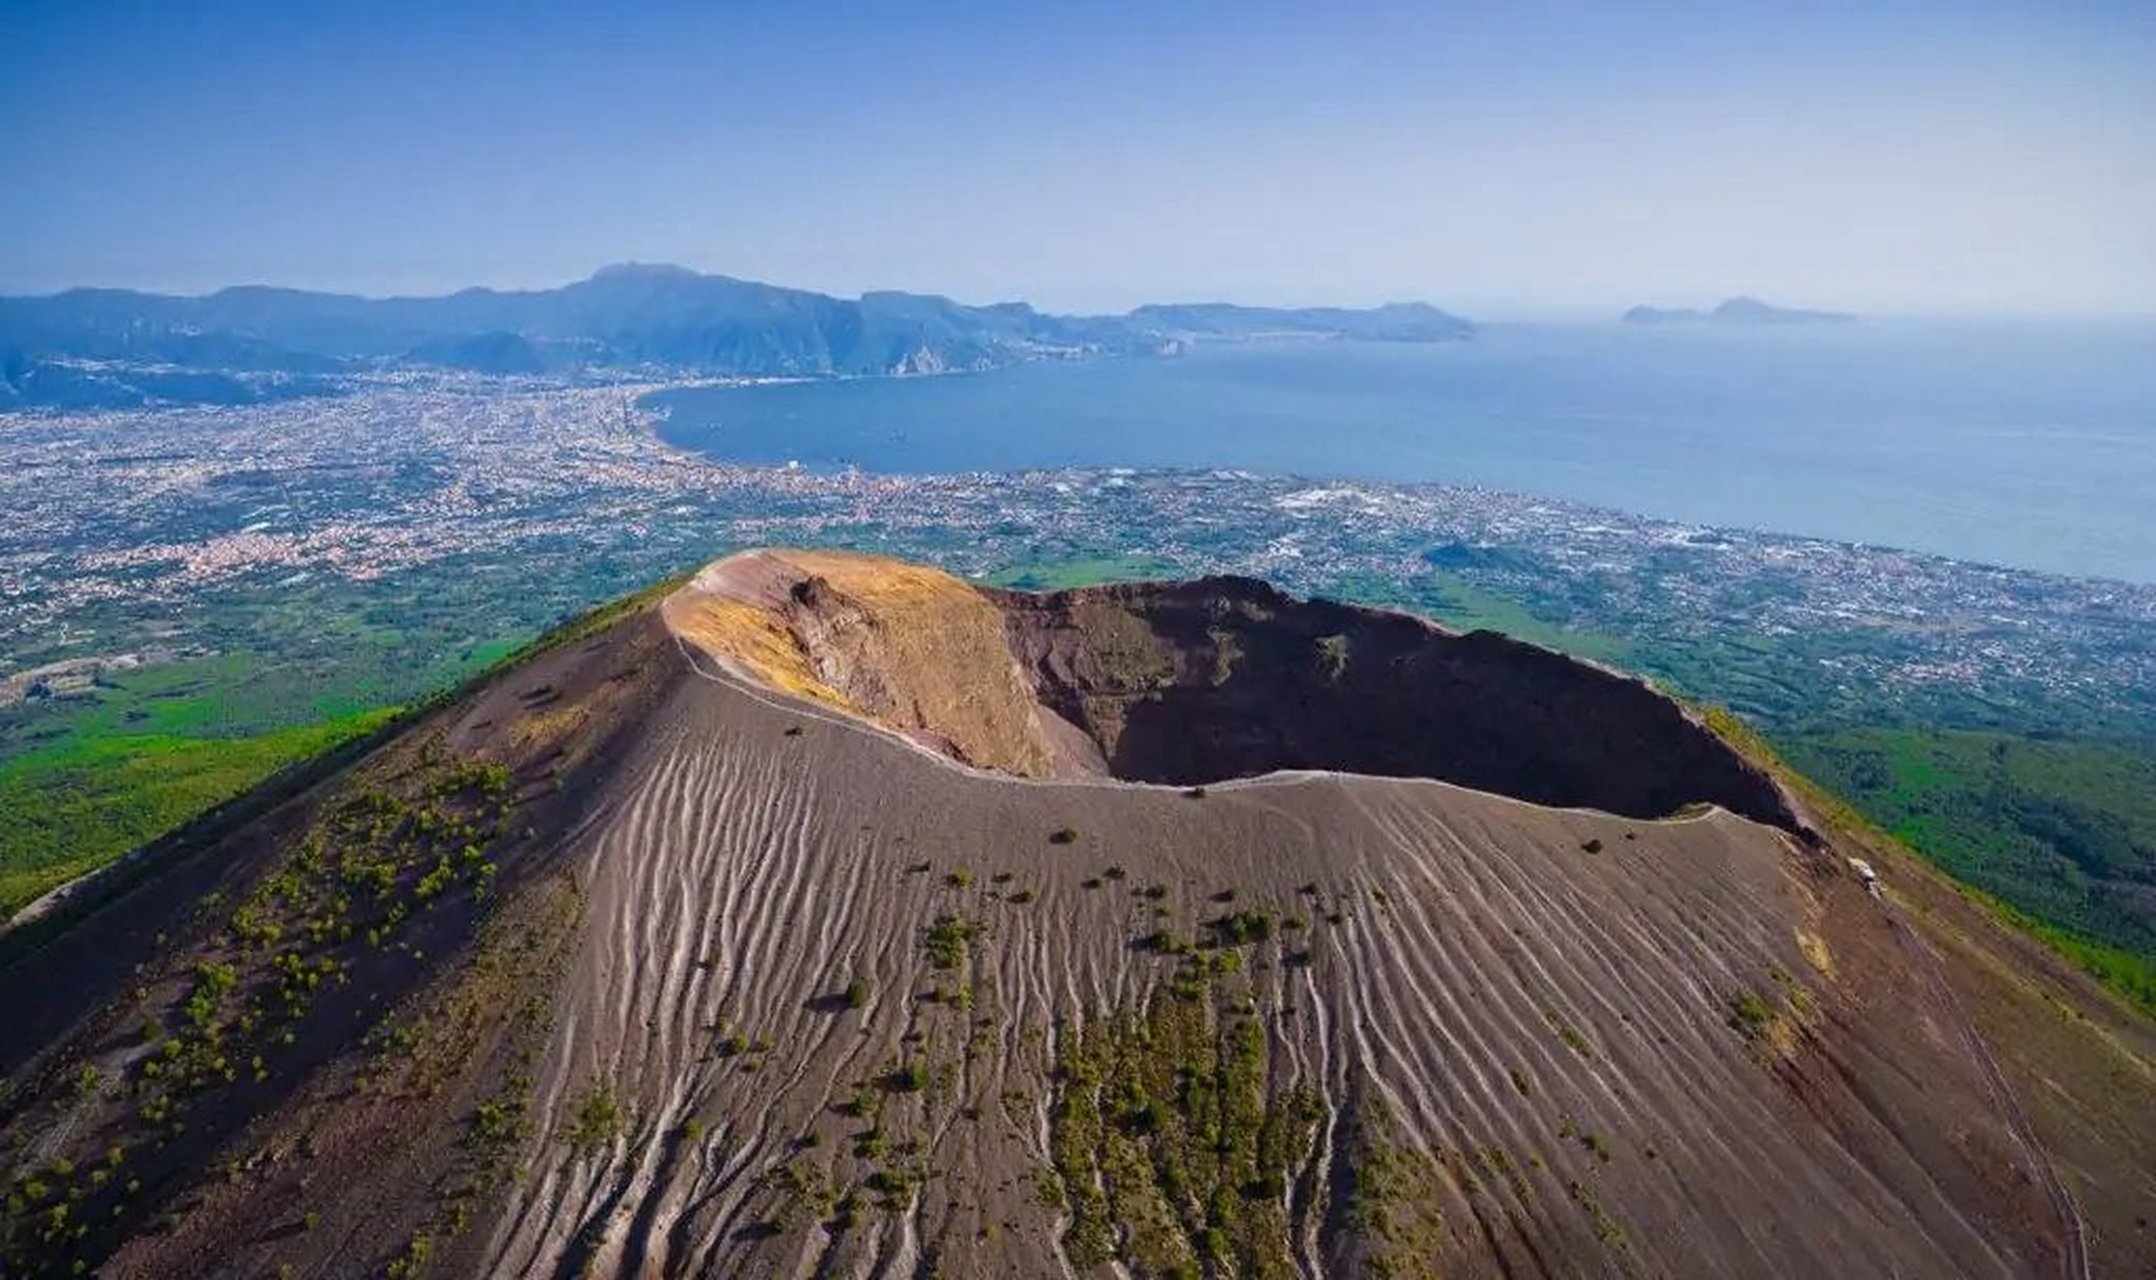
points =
(1739, 310)
(1318, 934)
(645, 271)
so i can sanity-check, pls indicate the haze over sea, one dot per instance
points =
(2013, 443)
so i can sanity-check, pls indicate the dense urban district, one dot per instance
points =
(190, 597)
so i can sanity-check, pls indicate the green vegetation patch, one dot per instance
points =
(1463, 606)
(2131, 973)
(595, 1119)
(949, 941)
(2063, 831)
(1390, 1199)
(73, 807)
(1060, 575)
(383, 852)
(85, 779)
(1750, 1015)
(1171, 1149)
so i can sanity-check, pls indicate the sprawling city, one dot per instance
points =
(123, 534)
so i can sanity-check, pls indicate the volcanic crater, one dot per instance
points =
(1207, 681)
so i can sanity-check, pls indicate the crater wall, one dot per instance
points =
(1219, 678)
(1204, 681)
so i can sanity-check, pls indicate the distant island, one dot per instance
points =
(107, 348)
(1735, 311)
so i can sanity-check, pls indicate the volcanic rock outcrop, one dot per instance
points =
(828, 916)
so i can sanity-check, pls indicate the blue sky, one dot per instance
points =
(1511, 156)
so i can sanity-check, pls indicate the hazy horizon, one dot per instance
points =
(1498, 310)
(1505, 161)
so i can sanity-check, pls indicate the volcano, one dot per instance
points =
(820, 914)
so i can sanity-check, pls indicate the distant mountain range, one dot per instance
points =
(1735, 311)
(112, 347)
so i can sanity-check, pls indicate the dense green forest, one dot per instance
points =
(2065, 831)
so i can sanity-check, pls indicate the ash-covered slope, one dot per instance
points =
(687, 947)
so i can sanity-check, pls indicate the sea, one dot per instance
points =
(2015, 443)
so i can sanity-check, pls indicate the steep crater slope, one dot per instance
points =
(1227, 677)
(1200, 682)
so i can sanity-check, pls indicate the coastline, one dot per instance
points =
(2061, 500)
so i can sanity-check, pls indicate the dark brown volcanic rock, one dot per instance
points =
(1228, 678)
(688, 946)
